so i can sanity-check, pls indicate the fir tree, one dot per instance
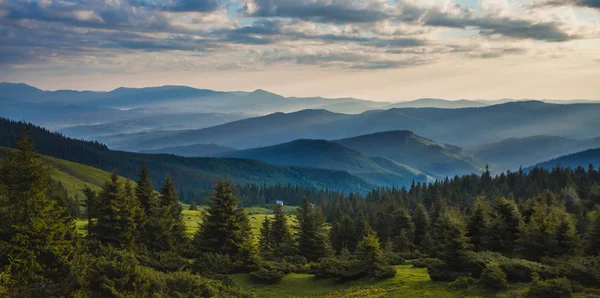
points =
(283, 241)
(592, 245)
(193, 206)
(89, 204)
(453, 243)
(116, 211)
(504, 227)
(225, 229)
(266, 240)
(477, 226)
(35, 231)
(172, 230)
(311, 235)
(422, 229)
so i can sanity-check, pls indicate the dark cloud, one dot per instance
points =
(582, 3)
(520, 29)
(317, 11)
(181, 5)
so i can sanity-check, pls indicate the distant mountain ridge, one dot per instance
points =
(466, 127)
(331, 155)
(512, 153)
(579, 159)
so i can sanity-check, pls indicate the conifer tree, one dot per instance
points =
(283, 241)
(35, 231)
(477, 226)
(369, 250)
(266, 240)
(172, 230)
(144, 191)
(504, 227)
(116, 211)
(147, 219)
(312, 239)
(343, 233)
(193, 206)
(422, 229)
(592, 245)
(225, 229)
(453, 243)
(89, 204)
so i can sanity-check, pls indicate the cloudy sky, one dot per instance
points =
(374, 49)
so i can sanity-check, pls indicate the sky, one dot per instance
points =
(388, 50)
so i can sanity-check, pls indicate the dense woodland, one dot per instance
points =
(537, 226)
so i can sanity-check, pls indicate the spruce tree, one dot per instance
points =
(312, 239)
(505, 226)
(171, 230)
(477, 226)
(283, 241)
(116, 210)
(35, 232)
(453, 244)
(422, 229)
(592, 244)
(193, 206)
(89, 204)
(266, 240)
(369, 250)
(147, 219)
(225, 229)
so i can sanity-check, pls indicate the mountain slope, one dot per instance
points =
(510, 154)
(417, 152)
(198, 150)
(188, 173)
(464, 127)
(330, 155)
(437, 103)
(583, 159)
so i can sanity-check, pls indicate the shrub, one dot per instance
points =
(212, 263)
(267, 276)
(493, 277)
(163, 261)
(441, 272)
(551, 288)
(462, 282)
(519, 270)
(425, 262)
(585, 270)
(382, 272)
(341, 270)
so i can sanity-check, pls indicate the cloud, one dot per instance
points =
(582, 3)
(181, 5)
(318, 10)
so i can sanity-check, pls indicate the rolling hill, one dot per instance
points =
(330, 155)
(465, 127)
(406, 148)
(198, 150)
(188, 173)
(512, 153)
(583, 159)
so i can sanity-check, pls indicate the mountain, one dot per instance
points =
(196, 174)
(512, 153)
(198, 150)
(150, 122)
(437, 103)
(73, 176)
(330, 155)
(467, 127)
(405, 147)
(583, 159)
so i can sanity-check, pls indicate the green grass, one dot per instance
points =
(192, 218)
(408, 282)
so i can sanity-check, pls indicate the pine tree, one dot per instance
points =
(116, 211)
(453, 243)
(312, 239)
(369, 250)
(283, 241)
(193, 206)
(172, 230)
(35, 231)
(225, 229)
(403, 228)
(266, 240)
(89, 204)
(422, 229)
(144, 191)
(592, 246)
(343, 233)
(477, 226)
(505, 226)
(147, 219)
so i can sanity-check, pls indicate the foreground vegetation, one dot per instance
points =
(532, 234)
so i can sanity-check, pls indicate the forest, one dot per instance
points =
(540, 227)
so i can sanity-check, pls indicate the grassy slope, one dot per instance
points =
(72, 175)
(408, 282)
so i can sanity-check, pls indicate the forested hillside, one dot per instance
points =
(191, 174)
(531, 234)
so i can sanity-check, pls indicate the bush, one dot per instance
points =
(462, 282)
(551, 288)
(441, 272)
(585, 270)
(425, 262)
(493, 277)
(266, 276)
(212, 263)
(163, 261)
(341, 270)
(519, 270)
(382, 272)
